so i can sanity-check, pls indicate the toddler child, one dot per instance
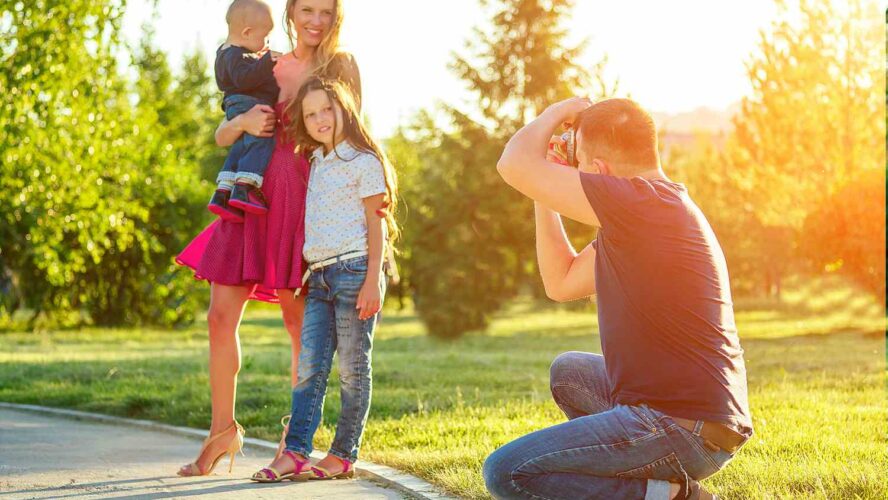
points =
(244, 73)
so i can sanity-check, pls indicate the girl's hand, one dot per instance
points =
(258, 121)
(369, 298)
(568, 109)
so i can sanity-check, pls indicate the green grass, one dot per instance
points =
(816, 364)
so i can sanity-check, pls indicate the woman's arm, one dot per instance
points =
(370, 296)
(258, 122)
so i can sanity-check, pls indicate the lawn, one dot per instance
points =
(816, 364)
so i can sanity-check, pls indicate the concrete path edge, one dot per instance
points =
(408, 484)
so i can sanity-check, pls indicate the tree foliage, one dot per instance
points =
(521, 63)
(95, 199)
(474, 244)
(814, 119)
(847, 233)
(799, 181)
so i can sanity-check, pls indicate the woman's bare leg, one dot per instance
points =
(223, 319)
(293, 310)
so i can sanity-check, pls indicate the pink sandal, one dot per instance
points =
(321, 474)
(270, 475)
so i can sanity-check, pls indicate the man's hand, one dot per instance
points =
(567, 110)
(528, 166)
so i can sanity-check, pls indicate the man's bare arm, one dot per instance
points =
(524, 166)
(566, 275)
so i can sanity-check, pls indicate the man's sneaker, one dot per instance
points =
(219, 206)
(248, 198)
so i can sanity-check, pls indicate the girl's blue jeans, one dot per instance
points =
(331, 325)
(604, 450)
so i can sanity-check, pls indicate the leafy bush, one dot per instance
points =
(94, 199)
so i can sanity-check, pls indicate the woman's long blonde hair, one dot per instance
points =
(355, 133)
(329, 46)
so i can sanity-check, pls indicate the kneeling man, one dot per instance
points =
(666, 404)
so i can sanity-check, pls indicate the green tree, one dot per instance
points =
(847, 233)
(93, 202)
(476, 248)
(62, 98)
(522, 63)
(813, 122)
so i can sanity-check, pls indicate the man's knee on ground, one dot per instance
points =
(562, 368)
(497, 473)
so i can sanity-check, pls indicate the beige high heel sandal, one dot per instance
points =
(285, 423)
(236, 445)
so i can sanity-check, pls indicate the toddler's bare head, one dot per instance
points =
(249, 23)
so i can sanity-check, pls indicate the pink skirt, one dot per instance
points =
(265, 252)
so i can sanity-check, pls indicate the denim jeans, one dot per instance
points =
(249, 155)
(331, 324)
(604, 450)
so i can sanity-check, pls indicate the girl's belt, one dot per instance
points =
(317, 266)
(333, 260)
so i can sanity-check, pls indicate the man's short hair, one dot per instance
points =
(621, 133)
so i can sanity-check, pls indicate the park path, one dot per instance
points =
(51, 457)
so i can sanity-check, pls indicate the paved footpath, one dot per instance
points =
(50, 457)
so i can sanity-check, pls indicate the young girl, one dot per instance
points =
(348, 221)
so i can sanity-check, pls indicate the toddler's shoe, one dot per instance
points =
(219, 205)
(248, 198)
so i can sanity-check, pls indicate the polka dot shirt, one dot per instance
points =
(335, 222)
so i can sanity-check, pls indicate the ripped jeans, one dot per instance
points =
(605, 450)
(331, 325)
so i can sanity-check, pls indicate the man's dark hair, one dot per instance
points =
(621, 133)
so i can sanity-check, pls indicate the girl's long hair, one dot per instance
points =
(355, 133)
(329, 46)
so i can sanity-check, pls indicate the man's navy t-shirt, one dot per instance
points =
(665, 312)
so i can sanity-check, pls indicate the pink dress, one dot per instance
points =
(265, 252)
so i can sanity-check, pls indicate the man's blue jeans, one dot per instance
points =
(605, 450)
(248, 157)
(331, 325)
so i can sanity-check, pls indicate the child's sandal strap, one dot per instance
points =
(320, 472)
(268, 473)
(300, 464)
